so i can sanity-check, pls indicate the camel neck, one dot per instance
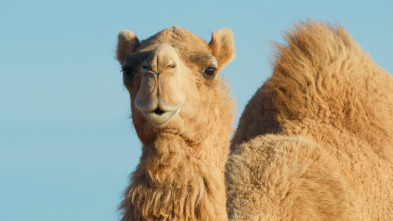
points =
(175, 182)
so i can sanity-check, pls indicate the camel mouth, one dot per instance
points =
(158, 111)
(160, 117)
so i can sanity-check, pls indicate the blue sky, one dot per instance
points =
(67, 145)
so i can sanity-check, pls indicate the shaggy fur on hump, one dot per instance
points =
(316, 140)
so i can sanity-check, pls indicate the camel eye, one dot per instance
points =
(209, 72)
(128, 72)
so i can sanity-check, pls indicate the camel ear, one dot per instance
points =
(127, 43)
(222, 46)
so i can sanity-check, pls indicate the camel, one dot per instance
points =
(315, 142)
(183, 115)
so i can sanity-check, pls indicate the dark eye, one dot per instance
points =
(209, 72)
(128, 72)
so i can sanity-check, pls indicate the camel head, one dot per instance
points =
(173, 81)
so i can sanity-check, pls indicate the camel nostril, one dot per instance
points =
(158, 111)
(146, 67)
(171, 65)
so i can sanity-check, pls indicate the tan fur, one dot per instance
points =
(316, 140)
(181, 172)
(222, 46)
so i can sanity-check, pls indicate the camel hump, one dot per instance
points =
(315, 62)
(322, 75)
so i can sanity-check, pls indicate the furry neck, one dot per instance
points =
(178, 181)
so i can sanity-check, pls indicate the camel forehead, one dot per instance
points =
(181, 39)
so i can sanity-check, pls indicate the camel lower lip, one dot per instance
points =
(160, 118)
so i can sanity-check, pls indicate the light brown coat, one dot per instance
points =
(316, 140)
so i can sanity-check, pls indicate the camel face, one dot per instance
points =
(170, 77)
(160, 95)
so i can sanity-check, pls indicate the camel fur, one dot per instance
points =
(183, 116)
(315, 142)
